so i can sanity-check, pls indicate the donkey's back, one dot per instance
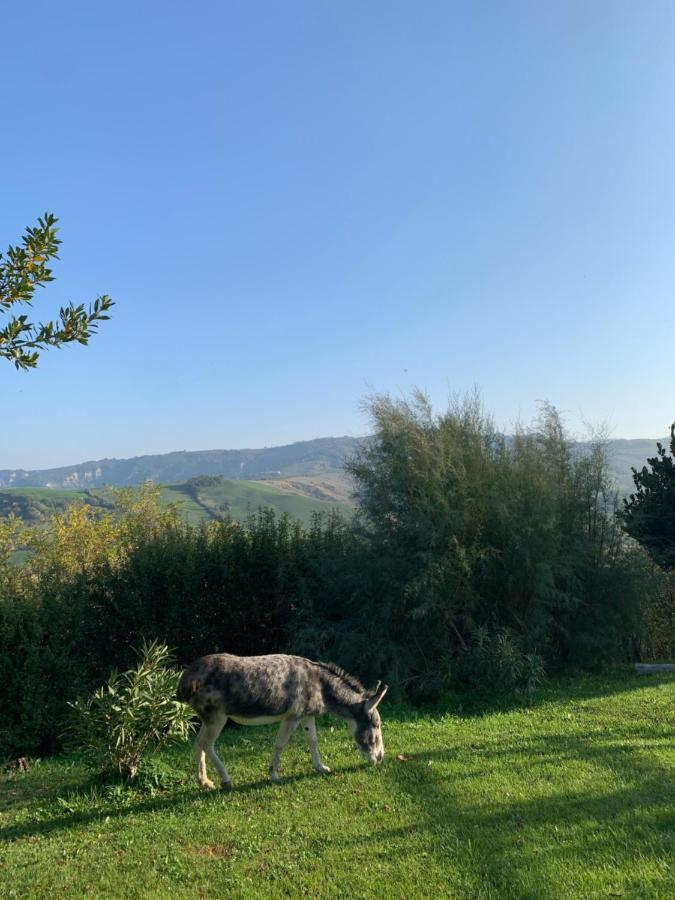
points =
(249, 689)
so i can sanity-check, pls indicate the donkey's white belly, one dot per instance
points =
(257, 720)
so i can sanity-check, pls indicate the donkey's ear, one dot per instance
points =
(378, 695)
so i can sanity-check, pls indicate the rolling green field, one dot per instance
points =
(237, 499)
(54, 496)
(571, 796)
(35, 505)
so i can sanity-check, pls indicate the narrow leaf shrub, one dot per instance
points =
(464, 531)
(133, 714)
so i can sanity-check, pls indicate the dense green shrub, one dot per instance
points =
(466, 532)
(497, 664)
(656, 634)
(649, 513)
(96, 585)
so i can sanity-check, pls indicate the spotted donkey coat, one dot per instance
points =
(259, 690)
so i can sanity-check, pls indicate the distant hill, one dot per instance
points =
(35, 505)
(199, 499)
(312, 468)
(316, 457)
(332, 487)
(207, 497)
(626, 453)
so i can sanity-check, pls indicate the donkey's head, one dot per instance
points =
(366, 727)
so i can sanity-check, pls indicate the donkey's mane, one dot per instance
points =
(347, 679)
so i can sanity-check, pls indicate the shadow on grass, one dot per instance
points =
(491, 849)
(492, 841)
(18, 790)
(131, 805)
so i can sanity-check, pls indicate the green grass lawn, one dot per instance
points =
(571, 796)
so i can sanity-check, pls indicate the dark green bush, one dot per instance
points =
(463, 532)
(96, 586)
(497, 664)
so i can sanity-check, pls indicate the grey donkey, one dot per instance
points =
(259, 690)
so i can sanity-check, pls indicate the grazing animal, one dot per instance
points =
(259, 690)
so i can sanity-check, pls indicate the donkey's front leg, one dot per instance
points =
(204, 746)
(286, 729)
(309, 727)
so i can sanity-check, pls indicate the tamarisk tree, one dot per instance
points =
(649, 513)
(23, 269)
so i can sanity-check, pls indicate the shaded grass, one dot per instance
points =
(570, 796)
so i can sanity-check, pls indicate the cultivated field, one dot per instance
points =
(299, 498)
(240, 499)
(571, 796)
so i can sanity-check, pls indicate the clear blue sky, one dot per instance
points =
(297, 203)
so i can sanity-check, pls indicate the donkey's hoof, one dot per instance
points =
(207, 784)
(274, 777)
(322, 770)
(226, 785)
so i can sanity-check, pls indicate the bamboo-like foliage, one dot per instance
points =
(486, 545)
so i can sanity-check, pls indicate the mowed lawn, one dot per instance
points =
(571, 796)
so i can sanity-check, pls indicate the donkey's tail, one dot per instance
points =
(188, 685)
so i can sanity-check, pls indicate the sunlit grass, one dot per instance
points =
(572, 796)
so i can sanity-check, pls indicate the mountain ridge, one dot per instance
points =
(317, 457)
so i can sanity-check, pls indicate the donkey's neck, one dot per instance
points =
(339, 698)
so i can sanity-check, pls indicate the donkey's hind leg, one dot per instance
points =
(206, 738)
(309, 727)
